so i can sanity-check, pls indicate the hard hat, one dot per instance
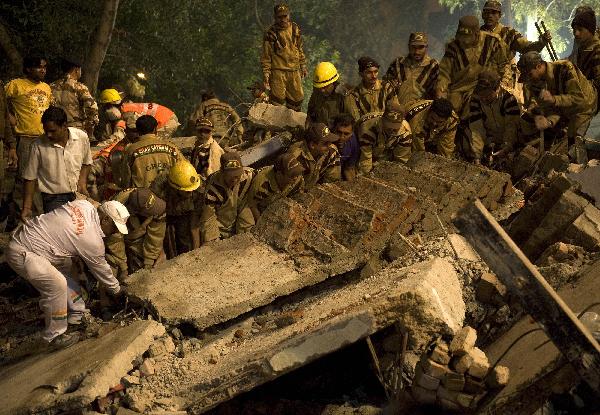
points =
(325, 74)
(110, 96)
(183, 176)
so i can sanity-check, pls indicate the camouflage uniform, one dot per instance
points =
(513, 41)
(323, 108)
(587, 59)
(75, 98)
(265, 190)
(495, 123)
(148, 157)
(282, 61)
(459, 69)
(223, 117)
(225, 211)
(376, 145)
(325, 169)
(438, 140)
(141, 247)
(364, 101)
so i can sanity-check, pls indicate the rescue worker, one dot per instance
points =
(560, 93)
(582, 9)
(75, 98)
(371, 95)
(42, 250)
(587, 57)
(181, 189)
(149, 156)
(142, 246)
(493, 117)
(283, 61)
(318, 155)
(116, 110)
(271, 183)
(347, 145)
(225, 210)
(206, 155)
(433, 125)
(465, 57)
(113, 124)
(227, 124)
(414, 76)
(386, 137)
(328, 98)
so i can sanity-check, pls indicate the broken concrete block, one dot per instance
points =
(433, 368)
(498, 377)
(440, 353)
(585, 230)
(556, 162)
(588, 178)
(147, 367)
(462, 248)
(463, 341)
(69, 379)
(130, 380)
(490, 290)
(275, 117)
(524, 161)
(422, 395)
(454, 381)
(445, 394)
(138, 399)
(161, 346)
(561, 252)
(424, 380)
(462, 364)
(480, 366)
(464, 400)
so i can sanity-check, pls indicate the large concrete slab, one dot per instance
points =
(73, 378)
(425, 299)
(536, 367)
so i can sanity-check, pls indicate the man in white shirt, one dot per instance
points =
(41, 251)
(60, 162)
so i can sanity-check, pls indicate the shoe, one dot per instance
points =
(64, 341)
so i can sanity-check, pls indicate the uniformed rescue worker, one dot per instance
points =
(206, 155)
(493, 118)
(283, 61)
(384, 138)
(225, 210)
(318, 155)
(271, 183)
(557, 92)
(328, 98)
(75, 98)
(433, 125)
(149, 156)
(587, 56)
(414, 76)
(181, 189)
(371, 95)
(227, 124)
(471, 51)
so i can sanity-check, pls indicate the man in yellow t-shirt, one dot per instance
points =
(27, 99)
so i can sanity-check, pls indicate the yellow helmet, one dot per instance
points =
(325, 74)
(183, 176)
(110, 96)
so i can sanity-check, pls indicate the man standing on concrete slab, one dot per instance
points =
(60, 162)
(41, 251)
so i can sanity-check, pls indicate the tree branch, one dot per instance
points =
(9, 48)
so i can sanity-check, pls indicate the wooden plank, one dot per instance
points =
(524, 282)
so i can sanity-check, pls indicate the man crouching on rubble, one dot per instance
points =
(41, 250)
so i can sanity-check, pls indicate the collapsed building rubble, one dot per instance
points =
(334, 266)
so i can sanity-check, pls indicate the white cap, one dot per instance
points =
(118, 213)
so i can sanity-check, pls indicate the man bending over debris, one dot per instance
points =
(41, 251)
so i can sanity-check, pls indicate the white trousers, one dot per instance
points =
(60, 295)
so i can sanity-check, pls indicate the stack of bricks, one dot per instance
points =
(456, 376)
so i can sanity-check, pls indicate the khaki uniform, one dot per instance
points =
(226, 121)
(587, 59)
(576, 98)
(225, 212)
(321, 108)
(147, 158)
(365, 101)
(264, 189)
(496, 123)
(326, 169)
(514, 41)
(375, 145)
(413, 80)
(180, 210)
(460, 68)
(437, 140)
(75, 98)
(282, 60)
(141, 247)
